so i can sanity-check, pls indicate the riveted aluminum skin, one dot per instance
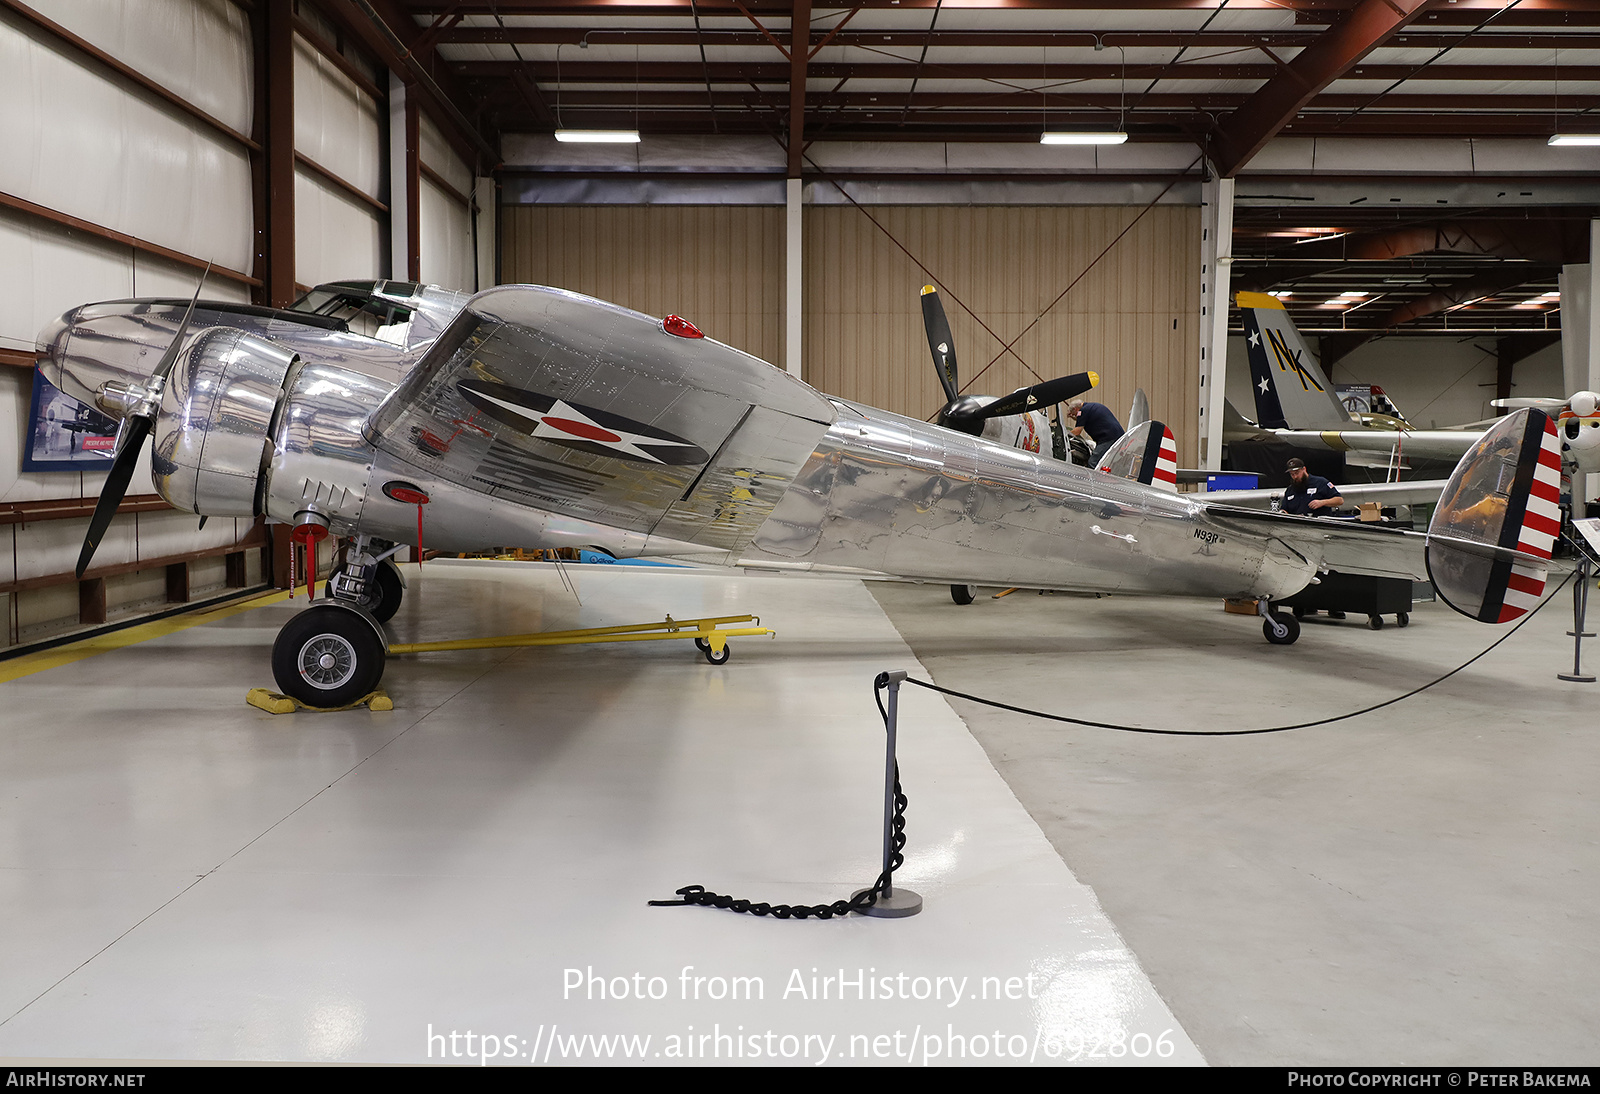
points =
(884, 495)
(212, 428)
(320, 461)
(123, 340)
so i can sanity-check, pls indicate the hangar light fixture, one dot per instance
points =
(597, 136)
(1575, 138)
(1082, 138)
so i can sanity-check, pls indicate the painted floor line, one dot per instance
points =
(95, 645)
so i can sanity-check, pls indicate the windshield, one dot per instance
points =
(377, 309)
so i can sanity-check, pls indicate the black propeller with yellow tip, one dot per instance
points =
(140, 419)
(967, 413)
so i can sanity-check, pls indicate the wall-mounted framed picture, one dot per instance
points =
(65, 435)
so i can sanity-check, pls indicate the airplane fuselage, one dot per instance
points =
(880, 494)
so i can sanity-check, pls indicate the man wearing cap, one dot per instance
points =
(1096, 420)
(1309, 495)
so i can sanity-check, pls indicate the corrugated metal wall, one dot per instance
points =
(1131, 318)
(720, 267)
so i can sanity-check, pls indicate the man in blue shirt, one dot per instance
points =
(1096, 420)
(1309, 495)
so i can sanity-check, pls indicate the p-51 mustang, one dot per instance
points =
(539, 417)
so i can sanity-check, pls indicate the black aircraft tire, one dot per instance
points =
(963, 594)
(383, 603)
(327, 656)
(1290, 629)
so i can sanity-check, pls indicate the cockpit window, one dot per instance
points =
(372, 308)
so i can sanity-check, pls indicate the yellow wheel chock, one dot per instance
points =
(274, 703)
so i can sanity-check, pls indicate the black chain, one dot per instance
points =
(698, 894)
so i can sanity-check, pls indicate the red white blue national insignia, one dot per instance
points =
(548, 418)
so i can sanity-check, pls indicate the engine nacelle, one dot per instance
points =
(320, 462)
(216, 417)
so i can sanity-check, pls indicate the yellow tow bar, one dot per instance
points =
(710, 634)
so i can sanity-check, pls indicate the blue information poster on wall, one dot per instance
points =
(65, 435)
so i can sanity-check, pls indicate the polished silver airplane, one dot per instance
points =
(539, 417)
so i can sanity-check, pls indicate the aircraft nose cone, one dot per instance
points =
(53, 340)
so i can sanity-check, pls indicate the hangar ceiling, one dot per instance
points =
(1225, 76)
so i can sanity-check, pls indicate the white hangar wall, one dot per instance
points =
(449, 257)
(341, 231)
(84, 144)
(110, 190)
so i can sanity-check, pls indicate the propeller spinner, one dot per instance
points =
(967, 413)
(137, 404)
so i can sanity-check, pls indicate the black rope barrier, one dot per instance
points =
(1243, 732)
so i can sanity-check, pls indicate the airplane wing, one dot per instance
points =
(1422, 444)
(1351, 547)
(1420, 492)
(562, 402)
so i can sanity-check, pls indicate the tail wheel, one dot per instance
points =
(383, 594)
(328, 656)
(1281, 629)
(963, 594)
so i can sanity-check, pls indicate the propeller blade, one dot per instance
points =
(940, 343)
(1040, 396)
(168, 359)
(115, 488)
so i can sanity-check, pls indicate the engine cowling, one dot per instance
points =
(215, 422)
(320, 460)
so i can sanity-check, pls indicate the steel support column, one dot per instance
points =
(793, 287)
(280, 182)
(405, 174)
(1216, 275)
(799, 49)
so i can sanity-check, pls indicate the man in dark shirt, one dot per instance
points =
(1096, 420)
(1309, 495)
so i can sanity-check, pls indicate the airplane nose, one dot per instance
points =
(97, 344)
(53, 342)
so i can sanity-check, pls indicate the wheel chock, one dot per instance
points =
(274, 703)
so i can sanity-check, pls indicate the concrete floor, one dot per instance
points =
(184, 877)
(1418, 885)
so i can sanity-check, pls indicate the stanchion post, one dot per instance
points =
(1580, 608)
(892, 903)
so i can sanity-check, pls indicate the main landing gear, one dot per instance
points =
(330, 655)
(374, 586)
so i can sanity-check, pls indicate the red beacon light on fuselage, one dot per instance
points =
(679, 326)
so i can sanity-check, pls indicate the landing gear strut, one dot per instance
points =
(1280, 628)
(368, 580)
